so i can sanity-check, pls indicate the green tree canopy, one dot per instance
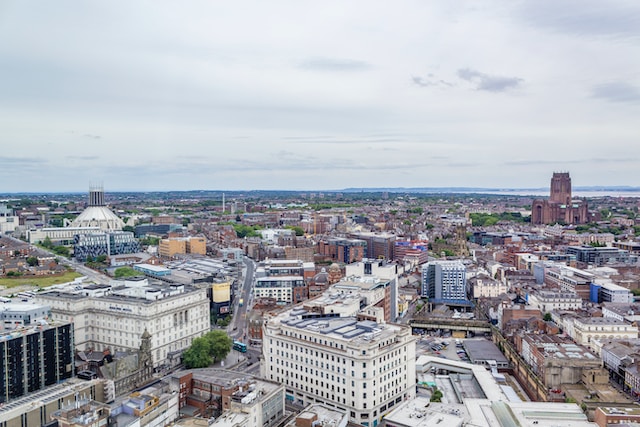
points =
(61, 250)
(197, 356)
(297, 229)
(220, 344)
(243, 231)
(46, 243)
(211, 347)
(32, 261)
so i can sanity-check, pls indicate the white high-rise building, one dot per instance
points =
(444, 281)
(361, 367)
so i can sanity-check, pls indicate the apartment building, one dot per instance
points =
(444, 281)
(34, 357)
(379, 245)
(342, 250)
(168, 248)
(104, 243)
(281, 288)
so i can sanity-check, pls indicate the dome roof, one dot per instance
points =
(98, 216)
(322, 277)
(334, 267)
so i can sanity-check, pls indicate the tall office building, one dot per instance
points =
(444, 282)
(361, 367)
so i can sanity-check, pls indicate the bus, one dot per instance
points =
(240, 346)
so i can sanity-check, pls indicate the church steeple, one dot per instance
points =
(144, 354)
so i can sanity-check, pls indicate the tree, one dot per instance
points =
(32, 261)
(46, 243)
(125, 272)
(150, 241)
(101, 259)
(61, 250)
(436, 396)
(197, 356)
(547, 317)
(297, 229)
(219, 344)
(211, 347)
(128, 228)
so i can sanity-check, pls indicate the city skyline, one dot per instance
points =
(320, 96)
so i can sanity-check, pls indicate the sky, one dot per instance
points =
(299, 95)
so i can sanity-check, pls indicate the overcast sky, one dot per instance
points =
(301, 95)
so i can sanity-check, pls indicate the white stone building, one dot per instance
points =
(361, 367)
(589, 329)
(547, 301)
(115, 316)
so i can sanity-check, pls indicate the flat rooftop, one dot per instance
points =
(482, 349)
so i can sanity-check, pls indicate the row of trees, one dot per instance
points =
(484, 219)
(211, 347)
(58, 250)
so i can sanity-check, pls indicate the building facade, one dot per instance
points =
(342, 250)
(360, 367)
(379, 245)
(444, 281)
(168, 248)
(115, 316)
(109, 243)
(34, 358)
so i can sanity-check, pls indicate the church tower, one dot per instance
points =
(96, 195)
(561, 188)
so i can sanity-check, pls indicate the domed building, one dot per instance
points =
(335, 273)
(319, 283)
(97, 214)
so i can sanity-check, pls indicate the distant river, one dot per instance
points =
(575, 193)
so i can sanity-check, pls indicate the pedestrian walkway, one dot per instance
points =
(233, 359)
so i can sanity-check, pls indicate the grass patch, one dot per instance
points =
(41, 282)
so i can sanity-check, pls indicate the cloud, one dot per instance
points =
(569, 162)
(88, 135)
(616, 92)
(489, 83)
(423, 82)
(83, 158)
(613, 19)
(333, 64)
